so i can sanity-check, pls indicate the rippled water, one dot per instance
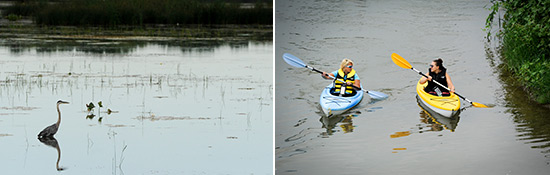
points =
(396, 135)
(177, 107)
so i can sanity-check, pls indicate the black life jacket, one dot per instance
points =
(440, 77)
(350, 77)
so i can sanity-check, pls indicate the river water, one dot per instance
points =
(396, 136)
(169, 107)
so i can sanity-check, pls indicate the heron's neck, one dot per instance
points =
(59, 116)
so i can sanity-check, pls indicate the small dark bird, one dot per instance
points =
(52, 129)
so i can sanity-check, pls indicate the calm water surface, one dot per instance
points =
(179, 107)
(396, 136)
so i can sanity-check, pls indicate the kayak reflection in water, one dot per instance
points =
(329, 123)
(436, 122)
(438, 73)
(346, 74)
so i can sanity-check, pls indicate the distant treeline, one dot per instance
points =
(526, 43)
(142, 12)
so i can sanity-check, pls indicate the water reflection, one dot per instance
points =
(435, 121)
(532, 121)
(115, 47)
(329, 123)
(51, 141)
(431, 122)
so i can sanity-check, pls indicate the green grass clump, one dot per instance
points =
(526, 43)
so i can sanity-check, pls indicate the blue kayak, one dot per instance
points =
(336, 105)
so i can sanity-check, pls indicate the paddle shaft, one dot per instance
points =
(439, 84)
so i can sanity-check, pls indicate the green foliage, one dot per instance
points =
(489, 22)
(526, 43)
(113, 13)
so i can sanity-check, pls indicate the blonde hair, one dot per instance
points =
(345, 62)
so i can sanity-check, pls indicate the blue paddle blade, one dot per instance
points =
(293, 60)
(377, 95)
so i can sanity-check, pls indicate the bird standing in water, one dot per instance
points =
(52, 129)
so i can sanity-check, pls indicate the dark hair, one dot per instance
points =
(439, 62)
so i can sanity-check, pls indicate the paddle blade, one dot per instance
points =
(479, 105)
(293, 60)
(377, 95)
(400, 61)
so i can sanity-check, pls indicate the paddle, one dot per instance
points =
(296, 62)
(401, 62)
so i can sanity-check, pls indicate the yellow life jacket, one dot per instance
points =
(345, 78)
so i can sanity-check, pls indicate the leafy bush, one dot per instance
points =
(526, 43)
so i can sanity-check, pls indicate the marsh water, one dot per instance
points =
(396, 135)
(168, 107)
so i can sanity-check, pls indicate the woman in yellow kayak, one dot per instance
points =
(438, 73)
(346, 74)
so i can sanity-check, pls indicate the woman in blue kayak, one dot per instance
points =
(438, 73)
(346, 79)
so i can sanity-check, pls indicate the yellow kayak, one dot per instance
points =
(446, 106)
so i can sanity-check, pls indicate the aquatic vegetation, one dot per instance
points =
(91, 112)
(90, 106)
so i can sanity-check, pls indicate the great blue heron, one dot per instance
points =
(52, 129)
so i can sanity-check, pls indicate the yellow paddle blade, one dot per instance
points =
(479, 105)
(400, 61)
